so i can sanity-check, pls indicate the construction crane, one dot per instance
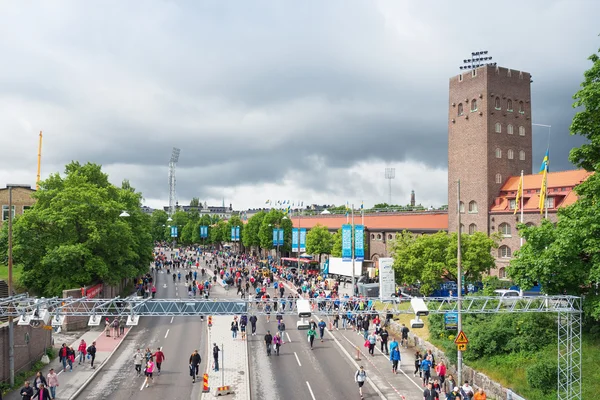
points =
(37, 181)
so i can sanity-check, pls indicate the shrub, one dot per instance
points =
(543, 375)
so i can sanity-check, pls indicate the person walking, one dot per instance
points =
(281, 328)
(395, 358)
(43, 393)
(234, 328)
(216, 356)
(52, 380)
(253, 320)
(277, 342)
(62, 356)
(149, 371)
(480, 395)
(82, 349)
(38, 381)
(372, 339)
(384, 336)
(159, 356)
(26, 391)
(311, 334)
(268, 342)
(440, 369)
(195, 361)
(322, 326)
(430, 393)
(70, 358)
(91, 350)
(138, 358)
(360, 377)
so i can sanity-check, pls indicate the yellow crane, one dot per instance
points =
(37, 182)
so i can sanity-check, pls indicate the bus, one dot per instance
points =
(307, 267)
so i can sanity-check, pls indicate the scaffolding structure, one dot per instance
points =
(172, 194)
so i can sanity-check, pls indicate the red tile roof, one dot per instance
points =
(433, 221)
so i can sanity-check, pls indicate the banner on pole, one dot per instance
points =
(359, 242)
(237, 233)
(281, 236)
(203, 231)
(233, 233)
(275, 236)
(302, 240)
(346, 242)
(295, 240)
(173, 231)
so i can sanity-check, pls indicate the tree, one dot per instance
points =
(431, 259)
(195, 202)
(158, 222)
(217, 233)
(233, 222)
(269, 222)
(74, 235)
(319, 241)
(336, 247)
(565, 258)
(251, 237)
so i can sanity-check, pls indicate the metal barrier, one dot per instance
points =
(510, 395)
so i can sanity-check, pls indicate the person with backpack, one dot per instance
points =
(243, 324)
(360, 378)
(395, 358)
(91, 350)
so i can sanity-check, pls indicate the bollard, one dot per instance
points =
(357, 354)
(205, 388)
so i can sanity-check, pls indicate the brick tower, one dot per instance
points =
(489, 140)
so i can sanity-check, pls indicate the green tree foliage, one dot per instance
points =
(271, 220)
(158, 222)
(336, 247)
(234, 221)
(431, 259)
(74, 235)
(218, 233)
(251, 230)
(319, 241)
(195, 202)
(565, 258)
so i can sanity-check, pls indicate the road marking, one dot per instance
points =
(167, 334)
(172, 320)
(143, 384)
(297, 359)
(310, 390)
(288, 335)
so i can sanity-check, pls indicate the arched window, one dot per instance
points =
(529, 224)
(460, 109)
(504, 229)
(390, 236)
(472, 229)
(510, 154)
(497, 103)
(521, 131)
(498, 178)
(379, 236)
(502, 273)
(509, 105)
(522, 155)
(509, 129)
(521, 109)
(462, 229)
(504, 252)
(498, 153)
(473, 105)
(372, 236)
(462, 207)
(498, 127)
(473, 206)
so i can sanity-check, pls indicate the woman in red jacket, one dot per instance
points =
(82, 349)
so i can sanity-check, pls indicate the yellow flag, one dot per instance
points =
(543, 191)
(519, 194)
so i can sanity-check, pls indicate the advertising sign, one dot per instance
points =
(275, 234)
(237, 233)
(302, 240)
(173, 231)
(387, 278)
(347, 242)
(451, 320)
(359, 242)
(203, 231)
(281, 236)
(233, 233)
(295, 240)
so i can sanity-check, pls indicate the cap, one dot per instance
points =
(455, 388)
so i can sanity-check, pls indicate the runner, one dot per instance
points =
(160, 357)
(138, 358)
(149, 370)
(360, 377)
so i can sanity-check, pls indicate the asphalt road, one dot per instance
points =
(178, 336)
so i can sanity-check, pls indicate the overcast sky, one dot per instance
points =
(301, 100)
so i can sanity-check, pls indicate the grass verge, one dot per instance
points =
(16, 273)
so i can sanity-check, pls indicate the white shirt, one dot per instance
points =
(467, 389)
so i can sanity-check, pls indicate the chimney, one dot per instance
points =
(412, 198)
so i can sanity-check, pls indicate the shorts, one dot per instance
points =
(148, 374)
(243, 328)
(360, 384)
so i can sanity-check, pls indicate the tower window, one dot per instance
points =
(509, 105)
(473, 105)
(473, 207)
(472, 229)
(522, 155)
(521, 109)
(497, 103)
(502, 273)
(474, 73)
(460, 78)
(498, 152)
(498, 127)
(461, 207)
(521, 131)
(509, 129)
(498, 178)
(504, 252)
(510, 154)
(460, 109)
(504, 229)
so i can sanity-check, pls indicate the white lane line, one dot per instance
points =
(172, 320)
(143, 384)
(310, 390)
(297, 359)
(288, 335)
(167, 334)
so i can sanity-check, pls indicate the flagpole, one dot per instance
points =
(521, 200)
(362, 213)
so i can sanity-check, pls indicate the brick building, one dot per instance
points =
(21, 199)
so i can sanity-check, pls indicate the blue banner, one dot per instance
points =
(281, 237)
(347, 242)
(173, 231)
(203, 231)
(294, 240)
(359, 242)
(275, 237)
(451, 320)
(302, 240)
(237, 233)
(233, 233)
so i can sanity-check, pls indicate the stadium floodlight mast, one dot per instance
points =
(390, 173)
(478, 59)
(172, 196)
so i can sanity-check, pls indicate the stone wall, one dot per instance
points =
(30, 346)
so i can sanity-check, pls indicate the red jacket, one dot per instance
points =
(159, 356)
(82, 347)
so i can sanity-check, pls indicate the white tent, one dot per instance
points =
(325, 212)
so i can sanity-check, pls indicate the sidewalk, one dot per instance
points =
(72, 383)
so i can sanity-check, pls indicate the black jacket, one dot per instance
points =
(268, 338)
(195, 359)
(26, 392)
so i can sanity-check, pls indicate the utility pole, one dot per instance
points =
(459, 357)
(11, 325)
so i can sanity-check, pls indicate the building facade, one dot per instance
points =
(21, 201)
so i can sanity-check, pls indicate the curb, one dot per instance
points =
(248, 370)
(89, 380)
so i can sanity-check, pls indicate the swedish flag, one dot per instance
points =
(545, 162)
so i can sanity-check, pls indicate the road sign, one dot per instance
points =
(461, 347)
(461, 338)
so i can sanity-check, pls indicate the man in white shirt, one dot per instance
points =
(467, 391)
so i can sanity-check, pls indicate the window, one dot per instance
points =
(460, 109)
(498, 127)
(462, 207)
(509, 105)
(521, 109)
(473, 207)
(5, 212)
(511, 154)
(502, 273)
(498, 178)
(512, 204)
(504, 229)
(474, 73)
(497, 103)
(549, 202)
(390, 236)
(460, 78)
(473, 105)
(504, 252)
(522, 155)
(509, 129)
(529, 224)
(472, 229)
(521, 131)
(379, 236)
(372, 236)
(25, 208)
(462, 229)
(498, 153)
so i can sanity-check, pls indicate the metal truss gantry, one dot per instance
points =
(568, 308)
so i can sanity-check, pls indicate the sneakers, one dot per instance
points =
(147, 385)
